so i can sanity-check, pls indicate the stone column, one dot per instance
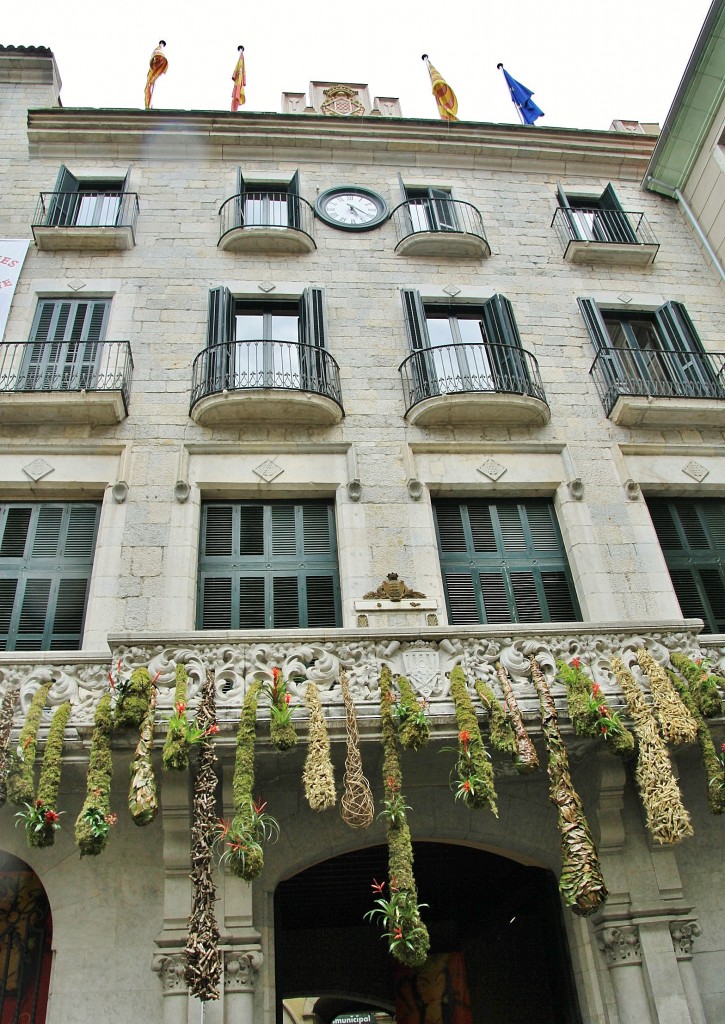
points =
(683, 935)
(241, 967)
(170, 969)
(621, 947)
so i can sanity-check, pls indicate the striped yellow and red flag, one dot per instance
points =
(240, 80)
(445, 96)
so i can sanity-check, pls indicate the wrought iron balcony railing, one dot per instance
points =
(48, 366)
(266, 210)
(282, 365)
(622, 227)
(446, 216)
(657, 374)
(87, 210)
(457, 369)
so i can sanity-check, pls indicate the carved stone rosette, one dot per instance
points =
(241, 968)
(170, 969)
(683, 935)
(620, 945)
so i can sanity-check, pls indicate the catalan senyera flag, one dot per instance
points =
(157, 66)
(445, 96)
(240, 80)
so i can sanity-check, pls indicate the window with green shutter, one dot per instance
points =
(46, 557)
(692, 538)
(503, 562)
(268, 565)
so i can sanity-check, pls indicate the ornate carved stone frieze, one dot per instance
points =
(393, 589)
(683, 935)
(620, 945)
(170, 969)
(241, 968)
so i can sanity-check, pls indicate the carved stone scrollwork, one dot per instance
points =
(170, 969)
(620, 945)
(241, 968)
(683, 935)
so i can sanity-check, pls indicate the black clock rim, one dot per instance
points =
(383, 211)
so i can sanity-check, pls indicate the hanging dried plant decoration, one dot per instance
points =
(318, 775)
(21, 769)
(473, 768)
(132, 698)
(93, 824)
(581, 883)
(503, 737)
(667, 820)
(203, 958)
(676, 723)
(176, 747)
(410, 717)
(589, 712)
(7, 710)
(704, 686)
(356, 806)
(525, 759)
(143, 802)
(714, 768)
(45, 809)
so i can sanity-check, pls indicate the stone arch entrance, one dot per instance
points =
(26, 933)
(503, 918)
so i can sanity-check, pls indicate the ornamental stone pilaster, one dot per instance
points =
(170, 968)
(683, 935)
(620, 945)
(241, 969)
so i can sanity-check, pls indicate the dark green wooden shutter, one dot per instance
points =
(678, 334)
(616, 222)
(64, 204)
(313, 368)
(415, 322)
(692, 537)
(608, 362)
(293, 200)
(46, 558)
(444, 209)
(220, 330)
(508, 367)
(423, 379)
(65, 345)
(503, 562)
(268, 565)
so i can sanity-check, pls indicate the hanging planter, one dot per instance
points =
(143, 802)
(676, 723)
(473, 769)
(93, 824)
(132, 697)
(589, 712)
(318, 775)
(281, 728)
(407, 936)
(409, 715)
(7, 710)
(175, 755)
(503, 737)
(712, 762)
(581, 882)
(21, 770)
(356, 806)
(704, 686)
(42, 818)
(667, 820)
(203, 958)
(525, 759)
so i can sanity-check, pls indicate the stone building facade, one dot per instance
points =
(526, 342)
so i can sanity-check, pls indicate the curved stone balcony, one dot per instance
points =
(266, 222)
(439, 227)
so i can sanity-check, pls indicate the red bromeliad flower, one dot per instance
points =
(276, 673)
(596, 689)
(398, 933)
(287, 698)
(180, 708)
(378, 887)
(51, 817)
(213, 729)
(603, 710)
(259, 806)
(394, 880)
(467, 786)
(465, 737)
(575, 663)
(392, 784)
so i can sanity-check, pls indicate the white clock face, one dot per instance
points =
(351, 208)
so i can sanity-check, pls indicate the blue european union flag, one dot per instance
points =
(522, 98)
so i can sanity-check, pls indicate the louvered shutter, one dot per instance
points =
(444, 210)
(313, 368)
(293, 200)
(63, 208)
(608, 365)
(46, 558)
(615, 221)
(508, 367)
(566, 206)
(220, 329)
(65, 350)
(692, 537)
(407, 225)
(423, 376)
(691, 364)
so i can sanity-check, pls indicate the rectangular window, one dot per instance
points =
(597, 219)
(503, 562)
(268, 565)
(431, 209)
(86, 202)
(46, 558)
(692, 538)
(264, 204)
(65, 345)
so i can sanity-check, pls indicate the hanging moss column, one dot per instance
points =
(525, 759)
(318, 775)
(714, 772)
(49, 782)
(21, 773)
(143, 802)
(7, 709)
(93, 824)
(474, 769)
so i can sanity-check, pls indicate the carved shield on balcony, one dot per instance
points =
(422, 667)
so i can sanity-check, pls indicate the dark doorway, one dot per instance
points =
(25, 943)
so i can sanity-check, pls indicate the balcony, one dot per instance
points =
(266, 222)
(96, 221)
(439, 227)
(71, 382)
(466, 383)
(266, 381)
(661, 388)
(605, 237)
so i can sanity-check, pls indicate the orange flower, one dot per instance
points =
(180, 708)
(467, 786)
(465, 737)
(213, 729)
(575, 663)
(378, 887)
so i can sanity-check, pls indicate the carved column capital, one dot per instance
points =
(683, 935)
(170, 969)
(620, 945)
(241, 967)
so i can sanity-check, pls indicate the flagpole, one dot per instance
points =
(518, 109)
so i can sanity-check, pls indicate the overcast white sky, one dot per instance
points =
(587, 62)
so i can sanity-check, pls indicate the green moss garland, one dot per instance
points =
(175, 755)
(49, 782)
(133, 700)
(411, 720)
(676, 723)
(501, 731)
(251, 866)
(282, 732)
(92, 828)
(590, 715)
(413, 949)
(714, 771)
(143, 802)
(21, 772)
(581, 882)
(473, 767)
(525, 759)
(7, 710)
(318, 775)
(703, 685)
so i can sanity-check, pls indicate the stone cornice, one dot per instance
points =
(171, 134)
